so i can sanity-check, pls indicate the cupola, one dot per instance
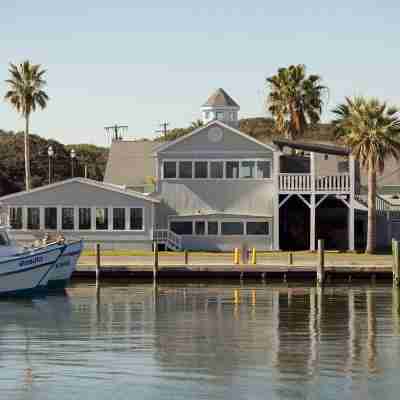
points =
(220, 106)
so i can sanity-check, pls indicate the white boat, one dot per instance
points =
(25, 271)
(65, 266)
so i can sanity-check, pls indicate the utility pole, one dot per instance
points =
(163, 128)
(115, 132)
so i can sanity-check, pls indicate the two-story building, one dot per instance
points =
(213, 189)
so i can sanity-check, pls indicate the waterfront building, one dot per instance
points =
(215, 188)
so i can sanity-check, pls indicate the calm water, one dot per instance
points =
(202, 341)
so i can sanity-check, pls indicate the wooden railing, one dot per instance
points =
(168, 237)
(334, 183)
(295, 182)
(303, 183)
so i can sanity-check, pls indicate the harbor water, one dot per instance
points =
(202, 341)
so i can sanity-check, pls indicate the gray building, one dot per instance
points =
(213, 189)
(83, 208)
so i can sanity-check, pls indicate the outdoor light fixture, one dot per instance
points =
(73, 156)
(50, 152)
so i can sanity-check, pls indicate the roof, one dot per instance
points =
(90, 182)
(165, 146)
(130, 162)
(314, 147)
(220, 99)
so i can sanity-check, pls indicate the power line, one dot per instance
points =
(115, 132)
(163, 128)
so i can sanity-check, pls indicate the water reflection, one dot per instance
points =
(203, 341)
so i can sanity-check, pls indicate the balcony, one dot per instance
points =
(324, 184)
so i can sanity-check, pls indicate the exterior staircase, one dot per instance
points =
(170, 239)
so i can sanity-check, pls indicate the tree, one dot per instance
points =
(372, 132)
(295, 100)
(25, 94)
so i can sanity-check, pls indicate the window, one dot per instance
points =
(136, 222)
(16, 217)
(119, 219)
(101, 219)
(232, 115)
(50, 218)
(207, 114)
(182, 227)
(257, 228)
(216, 169)
(33, 218)
(220, 115)
(263, 169)
(232, 228)
(247, 169)
(67, 218)
(4, 241)
(200, 169)
(200, 227)
(212, 227)
(85, 218)
(185, 170)
(232, 169)
(169, 169)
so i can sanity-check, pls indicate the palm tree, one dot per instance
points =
(295, 100)
(196, 124)
(372, 132)
(25, 94)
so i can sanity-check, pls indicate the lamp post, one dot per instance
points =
(73, 156)
(50, 153)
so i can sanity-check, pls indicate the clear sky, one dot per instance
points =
(140, 62)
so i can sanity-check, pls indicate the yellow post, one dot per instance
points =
(236, 255)
(254, 256)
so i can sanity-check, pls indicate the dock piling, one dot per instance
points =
(155, 263)
(396, 263)
(98, 261)
(254, 256)
(290, 258)
(186, 257)
(321, 262)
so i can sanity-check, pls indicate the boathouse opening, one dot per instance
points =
(294, 224)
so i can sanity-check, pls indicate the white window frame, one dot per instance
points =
(143, 220)
(224, 161)
(74, 229)
(22, 218)
(219, 221)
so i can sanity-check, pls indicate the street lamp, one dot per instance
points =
(73, 156)
(50, 153)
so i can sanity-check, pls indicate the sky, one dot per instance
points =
(139, 63)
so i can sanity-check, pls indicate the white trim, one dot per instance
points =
(224, 161)
(214, 122)
(220, 221)
(90, 182)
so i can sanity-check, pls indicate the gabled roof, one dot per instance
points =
(220, 99)
(130, 162)
(165, 146)
(85, 181)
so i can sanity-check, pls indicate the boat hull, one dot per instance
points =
(65, 265)
(29, 272)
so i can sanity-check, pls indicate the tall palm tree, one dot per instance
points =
(372, 132)
(295, 100)
(25, 94)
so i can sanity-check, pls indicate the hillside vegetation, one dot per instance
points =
(12, 161)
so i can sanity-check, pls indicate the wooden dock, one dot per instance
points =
(233, 271)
